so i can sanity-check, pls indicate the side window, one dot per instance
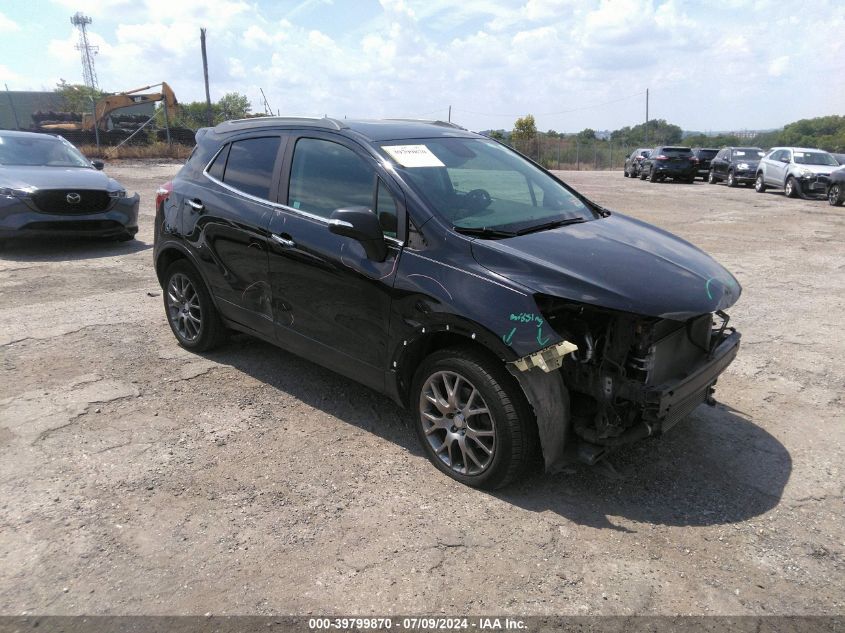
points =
(386, 210)
(249, 167)
(216, 169)
(326, 176)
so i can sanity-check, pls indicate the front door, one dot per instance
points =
(330, 302)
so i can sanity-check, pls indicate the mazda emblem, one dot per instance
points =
(73, 198)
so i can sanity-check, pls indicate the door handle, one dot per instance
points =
(197, 205)
(283, 241)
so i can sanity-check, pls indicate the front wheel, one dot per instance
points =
(191, 313)
(711, 178)
(472, 419)
(834, 195)
(792, 189)
(759, 184)
(731, 179)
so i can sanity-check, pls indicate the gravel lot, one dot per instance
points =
(137, 478)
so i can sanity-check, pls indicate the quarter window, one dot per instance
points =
(218, 166)
(249, 167)
(327, 176)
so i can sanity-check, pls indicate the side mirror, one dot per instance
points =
(785, 159)
(98, 164)
(362, 225)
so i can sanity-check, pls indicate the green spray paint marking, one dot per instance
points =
(507, 338)
(540, 340)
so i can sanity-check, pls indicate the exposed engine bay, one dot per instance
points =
(634, 376)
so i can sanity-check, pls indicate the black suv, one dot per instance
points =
(634, 161)
(451, 273)
(735, 165)
(703, 155)
(677, 163)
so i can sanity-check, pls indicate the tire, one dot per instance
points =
(731, 179)
(652, 176)
(759, 183)
(711, 178)
(643, 175)
(835, 196)
(508, 443)
(625, 172)
(190, 312)
(791, 188)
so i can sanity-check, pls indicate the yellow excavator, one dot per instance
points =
(111, 103)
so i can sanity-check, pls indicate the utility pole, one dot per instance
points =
(205, 77)
(12, 106)
(646, 117)
(89, 75)
(450, 114)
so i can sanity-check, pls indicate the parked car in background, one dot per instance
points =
(677, 163)
(634, 162)
(435, 265)
(48, 187)
(735, 165)
(835, 191)
(704, 155)
(840, 158)
(797, 170)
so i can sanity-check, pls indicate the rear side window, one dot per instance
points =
(218, 166)
(249, 167)
(327, 176)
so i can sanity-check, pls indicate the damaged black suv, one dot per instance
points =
(509, 312)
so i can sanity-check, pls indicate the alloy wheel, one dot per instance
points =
(183, 307)
(457, 423)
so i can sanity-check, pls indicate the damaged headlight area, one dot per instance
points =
(633, 376)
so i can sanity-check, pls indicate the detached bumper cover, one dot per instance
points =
(670, 402)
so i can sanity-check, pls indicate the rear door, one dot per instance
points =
(330, 302)
(719, 164)
(776, 167)
(225, 220)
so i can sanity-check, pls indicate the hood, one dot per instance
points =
(615, 262)
(55, 178)
(816, 169)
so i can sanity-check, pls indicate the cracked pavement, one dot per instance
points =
(148, 480)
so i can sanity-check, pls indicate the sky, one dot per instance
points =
(708, 65)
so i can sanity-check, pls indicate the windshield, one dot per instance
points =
(478, 183)
(814, 158)
(749, 153)
(40, 152)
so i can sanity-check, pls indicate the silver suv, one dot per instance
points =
(798, 170)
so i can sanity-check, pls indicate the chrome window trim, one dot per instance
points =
(275, 205)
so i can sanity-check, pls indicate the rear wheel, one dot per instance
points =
(472, 419)
(625, 173)
(731, 179)
(834, 195)
(792, 189)
(643, 174)
(759, 184)
(191, 313)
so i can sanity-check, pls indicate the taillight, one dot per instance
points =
(662, 157)
(693, 159)
(163, 192)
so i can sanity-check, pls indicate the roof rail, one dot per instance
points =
(323, 122)
(430, 122)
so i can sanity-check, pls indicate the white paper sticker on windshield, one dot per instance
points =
(413, 156)
(739, 153)
(800, 154)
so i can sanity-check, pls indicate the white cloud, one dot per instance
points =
(6, 74)
(7, 24)
(778, 66)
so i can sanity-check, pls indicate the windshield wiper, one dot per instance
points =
(551, 225)
(482, 231)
